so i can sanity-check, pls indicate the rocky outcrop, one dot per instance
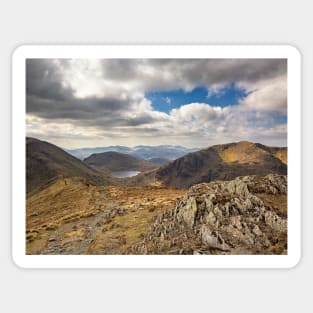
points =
(222, 217)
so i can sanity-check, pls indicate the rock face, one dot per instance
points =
(242, 216)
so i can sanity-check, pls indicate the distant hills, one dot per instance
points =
(115, 161)
(46, 162)
(144, 152)
(223, 162)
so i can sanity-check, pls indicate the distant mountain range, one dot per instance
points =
(145, 152)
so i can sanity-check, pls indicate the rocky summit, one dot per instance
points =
(247, 215)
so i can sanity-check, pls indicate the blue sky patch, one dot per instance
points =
(280, 118)
(165, 101)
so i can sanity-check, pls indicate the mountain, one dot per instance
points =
(115, 161)
(83, 153)
(223, 162)
(46, 162)
(71, 208)
(144, 152)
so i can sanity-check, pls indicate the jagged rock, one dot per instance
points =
(188, 212)
(239, 187)
(227, 217)
(256, 230)
(196, 252)
(274, 221)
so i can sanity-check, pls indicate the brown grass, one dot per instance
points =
(278, 202)
(79, 206)
(143, 204)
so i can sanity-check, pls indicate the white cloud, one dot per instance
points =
(201, 113)
(193, 125)
(268, 96)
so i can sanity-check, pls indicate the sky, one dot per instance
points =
(77, 103)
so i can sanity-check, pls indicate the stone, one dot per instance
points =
(210, 218)
(189, 211)
(238, 187)
(257, 231)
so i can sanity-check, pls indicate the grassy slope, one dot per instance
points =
(46, 162)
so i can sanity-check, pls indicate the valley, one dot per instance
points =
(224, 199)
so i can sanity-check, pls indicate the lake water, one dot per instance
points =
(123, 174)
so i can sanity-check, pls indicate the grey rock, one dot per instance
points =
(222, 217)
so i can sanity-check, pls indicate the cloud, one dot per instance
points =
(269, 96)
(103, 101)
(198, 113)
(44, 79)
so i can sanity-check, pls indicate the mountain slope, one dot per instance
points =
(115, 161)
(222, 162)
(45, 162)
(278, 152)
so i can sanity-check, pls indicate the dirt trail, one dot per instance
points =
(76, 237)
(100, 220)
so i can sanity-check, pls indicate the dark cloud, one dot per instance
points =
(167, 74)
(76, 109)
(44, 80)
(121, 69)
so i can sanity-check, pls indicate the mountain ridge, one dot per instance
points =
(141, 151)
